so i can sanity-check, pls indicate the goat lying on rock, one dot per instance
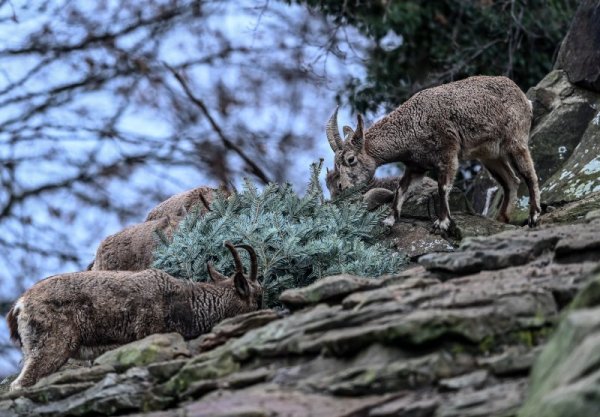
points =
(83, 314)
(484, 118)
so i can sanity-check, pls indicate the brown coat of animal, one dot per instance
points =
(484, 118)
(132, 248)
(379, 191)
(182, 203)
(83, 314)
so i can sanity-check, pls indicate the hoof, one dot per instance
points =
(15, 386)
(534, 219)
(441, 225)
(389, 221)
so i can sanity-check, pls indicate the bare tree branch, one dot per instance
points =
(254, 168)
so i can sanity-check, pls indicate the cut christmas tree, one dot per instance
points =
(298, 239)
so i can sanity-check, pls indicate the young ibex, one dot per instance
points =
(183, 203)
(132, 249)
(484, 118)
(378, 192)
(83, 314)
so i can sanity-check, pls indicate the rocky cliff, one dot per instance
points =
(492, 320)
(456, 335)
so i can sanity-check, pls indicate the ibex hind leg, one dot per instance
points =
(506, 178)
(521, 159)
(49, 355)
(446, 175)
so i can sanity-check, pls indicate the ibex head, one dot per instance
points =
(247, 287)
(352, 163)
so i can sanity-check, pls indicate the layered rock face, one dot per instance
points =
(453, 336)
(566, 377)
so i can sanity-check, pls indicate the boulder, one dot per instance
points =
(416, 237)
(579, 175)
(276, 402)
(566, 377)
(423, 201)
(332, 288)
(562, 113)
(573, 212)
(232, 327)
(579, 54)
(154, 348)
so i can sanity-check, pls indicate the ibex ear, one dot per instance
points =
(358, 138)
(348, 132)
(214, 275)
(182, 212)
(241, 285)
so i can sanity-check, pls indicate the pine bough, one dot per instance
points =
(298, 239)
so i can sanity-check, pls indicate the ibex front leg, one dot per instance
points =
(411, 178)
(446, 174)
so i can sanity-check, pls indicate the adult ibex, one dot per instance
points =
(484, 118)
(83, 314)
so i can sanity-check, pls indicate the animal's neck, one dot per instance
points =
(207, 306)
(384, 140)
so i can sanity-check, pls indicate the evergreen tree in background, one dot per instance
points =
(298, 239)
(419, 44)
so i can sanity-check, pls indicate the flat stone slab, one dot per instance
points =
(517, 247)
(332, 288)
(154, 348)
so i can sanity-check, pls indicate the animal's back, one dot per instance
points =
(482, 114)
(131, 249)
(110, 307)
(182, 203)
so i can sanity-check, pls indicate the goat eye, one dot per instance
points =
(340, 187)
(351, 160)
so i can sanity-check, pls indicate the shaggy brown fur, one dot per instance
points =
(83, 313)
(380, 191)
(332, 181)
(183, 203)
(132, 249)
(484, 118)
(13, 329)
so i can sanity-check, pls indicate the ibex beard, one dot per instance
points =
(483, 118)
(83, 314)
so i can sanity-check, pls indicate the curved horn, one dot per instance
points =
(239, 267)
(359, 134)
(333, 133)
(253, 261)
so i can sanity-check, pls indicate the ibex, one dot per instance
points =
(183, 203)
(484, 118)
(83, 314)
(132, 249)
(379, 191)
